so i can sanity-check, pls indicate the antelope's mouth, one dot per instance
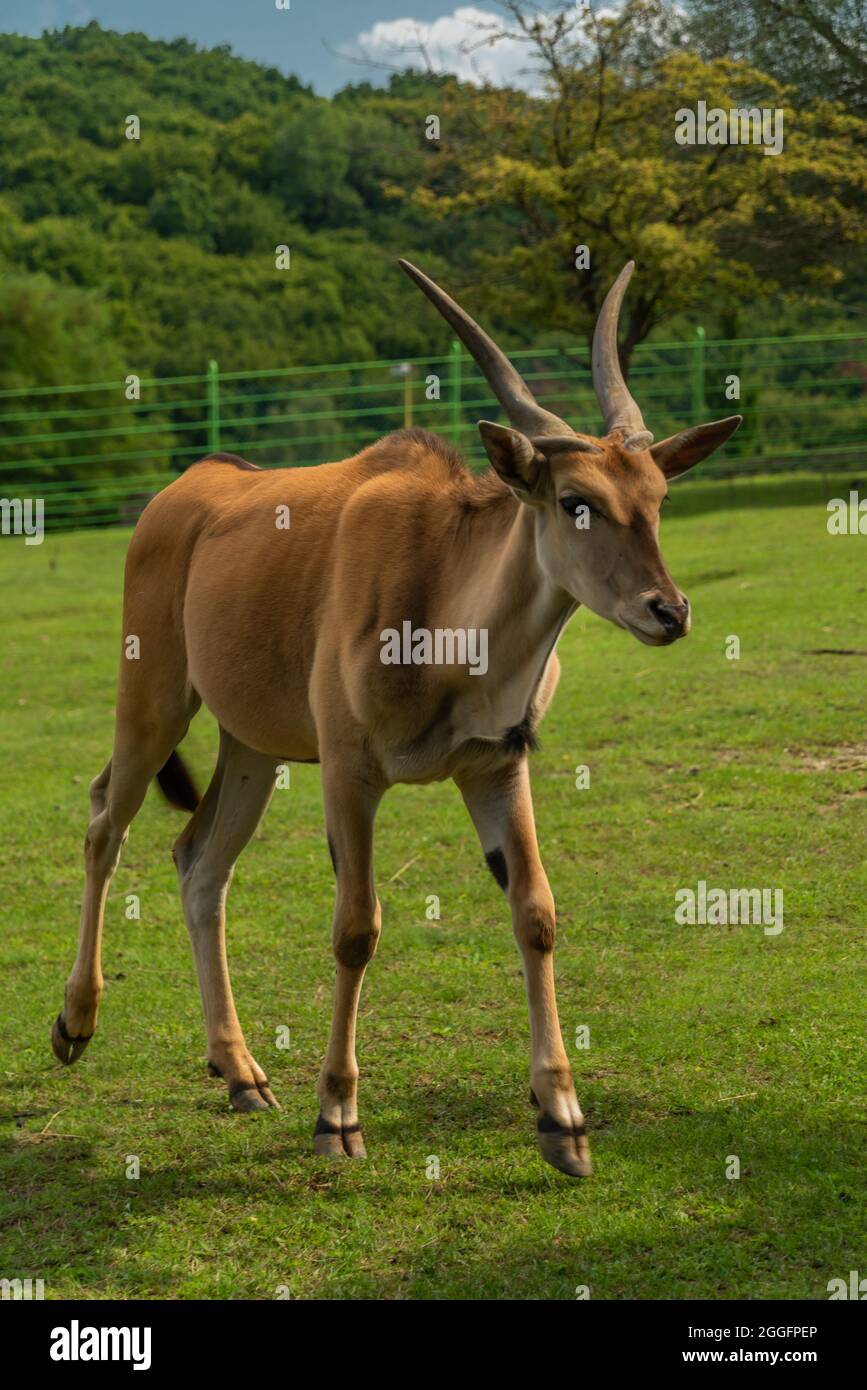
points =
(652, 637)
(657, 619)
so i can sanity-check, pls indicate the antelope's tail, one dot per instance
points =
(176, 784)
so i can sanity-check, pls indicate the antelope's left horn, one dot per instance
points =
(507, 384)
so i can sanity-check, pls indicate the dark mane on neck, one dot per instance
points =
(477, 490)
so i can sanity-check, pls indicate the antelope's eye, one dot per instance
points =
(571, 504)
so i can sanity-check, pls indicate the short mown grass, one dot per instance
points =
(705, 1042)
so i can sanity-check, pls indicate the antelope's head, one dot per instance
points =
(597, 499)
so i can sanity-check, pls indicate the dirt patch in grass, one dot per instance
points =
(849, 757)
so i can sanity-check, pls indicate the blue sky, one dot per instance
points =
(293, 41)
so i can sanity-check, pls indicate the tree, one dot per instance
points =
(593, 160)
(817, 46)
(308, 163)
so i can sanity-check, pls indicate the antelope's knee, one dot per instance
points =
(97, 790)
(185, 851)
(535, 927)
(356, 933)
(103, 843)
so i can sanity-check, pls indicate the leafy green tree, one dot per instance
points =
(817, 46)
(594, 162)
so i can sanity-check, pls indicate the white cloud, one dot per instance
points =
(446, 41)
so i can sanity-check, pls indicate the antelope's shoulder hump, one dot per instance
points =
(415, 448)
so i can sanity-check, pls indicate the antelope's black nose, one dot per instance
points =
(672, 617)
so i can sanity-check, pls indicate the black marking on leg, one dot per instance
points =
(325, 1127)
(332, 851)
(496, 862)
(546, 1124)
(355, 951)
(80, 1037)
(351, 1129)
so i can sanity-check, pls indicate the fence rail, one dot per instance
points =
(96, 452)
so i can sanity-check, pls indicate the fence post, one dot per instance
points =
(213, 397)
(698, 375)
(455, 355)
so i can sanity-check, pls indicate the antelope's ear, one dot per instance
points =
(514, 457)
(682, 451)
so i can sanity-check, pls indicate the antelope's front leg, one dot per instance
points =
(350, 808)
(502, 811)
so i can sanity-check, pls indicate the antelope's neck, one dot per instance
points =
(508, 597)
(527, 611)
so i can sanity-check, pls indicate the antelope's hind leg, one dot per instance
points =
(502, 811)
(140, 750)
(205, 856)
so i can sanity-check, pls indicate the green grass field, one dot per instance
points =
(705, 1041)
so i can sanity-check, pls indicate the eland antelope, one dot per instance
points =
(280, 633)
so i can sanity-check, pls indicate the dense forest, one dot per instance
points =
(152, 254)
(164, 246)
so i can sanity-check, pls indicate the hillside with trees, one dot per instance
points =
(171, 238)
(154, 254)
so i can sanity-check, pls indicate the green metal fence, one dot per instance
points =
(96, 452)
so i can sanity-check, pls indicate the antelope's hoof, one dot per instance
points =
(247, 1096)
(67, 1049)
(564, 1146)
(338, 1141)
